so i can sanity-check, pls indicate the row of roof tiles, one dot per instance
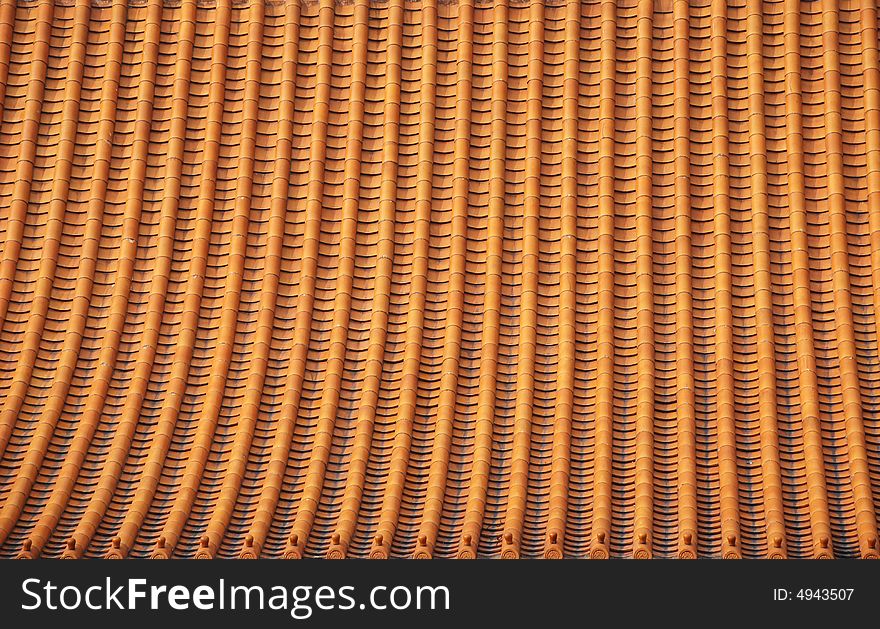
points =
(419, 279)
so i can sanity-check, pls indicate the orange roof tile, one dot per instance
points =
(571, 278)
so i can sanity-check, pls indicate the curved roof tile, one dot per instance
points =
(439, 279)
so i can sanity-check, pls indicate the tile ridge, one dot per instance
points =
(820, 523)
(143, 370)
(7, 28)
(491, 326)
(187, 337)
(237, 465)
(81, 538)
(18, 205)
(329, 406)
(359, 459)
(39, 307)
(390, 509)
(724, 360)
(871, 69)
(439, 467)
(766, 365)
(289, 413)
(604, 405)
(560, 466)
(643, 518)
(229, 319)
(528, 322)
(684, 316)
(866, 519)
(76, 453)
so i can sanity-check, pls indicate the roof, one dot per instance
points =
(426, 279)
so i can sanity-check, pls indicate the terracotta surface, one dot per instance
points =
(414, 279)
